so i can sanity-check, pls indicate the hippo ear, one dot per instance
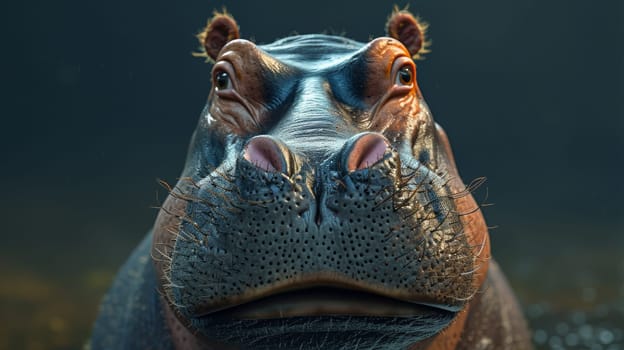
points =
(220, 30)
(409, 30)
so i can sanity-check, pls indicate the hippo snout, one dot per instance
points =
(275, 222)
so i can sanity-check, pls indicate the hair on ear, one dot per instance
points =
(409, 30)
(221, 29)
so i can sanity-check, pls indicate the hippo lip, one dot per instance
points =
(332, 314)
(325, 300)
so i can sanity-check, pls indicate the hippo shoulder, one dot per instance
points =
(130, 316)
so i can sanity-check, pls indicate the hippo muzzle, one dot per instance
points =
(270, 234)
(320, 205)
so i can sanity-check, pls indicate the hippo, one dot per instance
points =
(320, 207)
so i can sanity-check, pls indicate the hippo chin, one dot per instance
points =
(319, 208)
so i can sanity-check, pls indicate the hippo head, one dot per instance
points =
(320, 203)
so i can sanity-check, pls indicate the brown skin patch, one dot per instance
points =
(393, 102)
(472, 219)
(167, 229)
(241, 108)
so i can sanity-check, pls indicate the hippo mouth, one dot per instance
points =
(327, 301)
(322, 316)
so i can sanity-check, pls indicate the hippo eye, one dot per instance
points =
(222, 81)
(404, 76)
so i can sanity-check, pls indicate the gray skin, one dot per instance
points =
(343, 206)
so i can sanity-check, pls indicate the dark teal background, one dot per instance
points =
(99, 99)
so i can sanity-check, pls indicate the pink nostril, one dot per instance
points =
(366, 151)
(264, 153)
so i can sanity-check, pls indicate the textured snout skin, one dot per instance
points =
(320, 207)
(321, 224)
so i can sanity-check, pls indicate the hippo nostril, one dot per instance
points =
(266, 154)
(365, 151)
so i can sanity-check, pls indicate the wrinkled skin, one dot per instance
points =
(319, 208)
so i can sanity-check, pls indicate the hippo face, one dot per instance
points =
(320, 203)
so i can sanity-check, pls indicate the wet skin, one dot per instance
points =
(319, 207)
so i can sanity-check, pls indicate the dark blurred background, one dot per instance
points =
(99, 100)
